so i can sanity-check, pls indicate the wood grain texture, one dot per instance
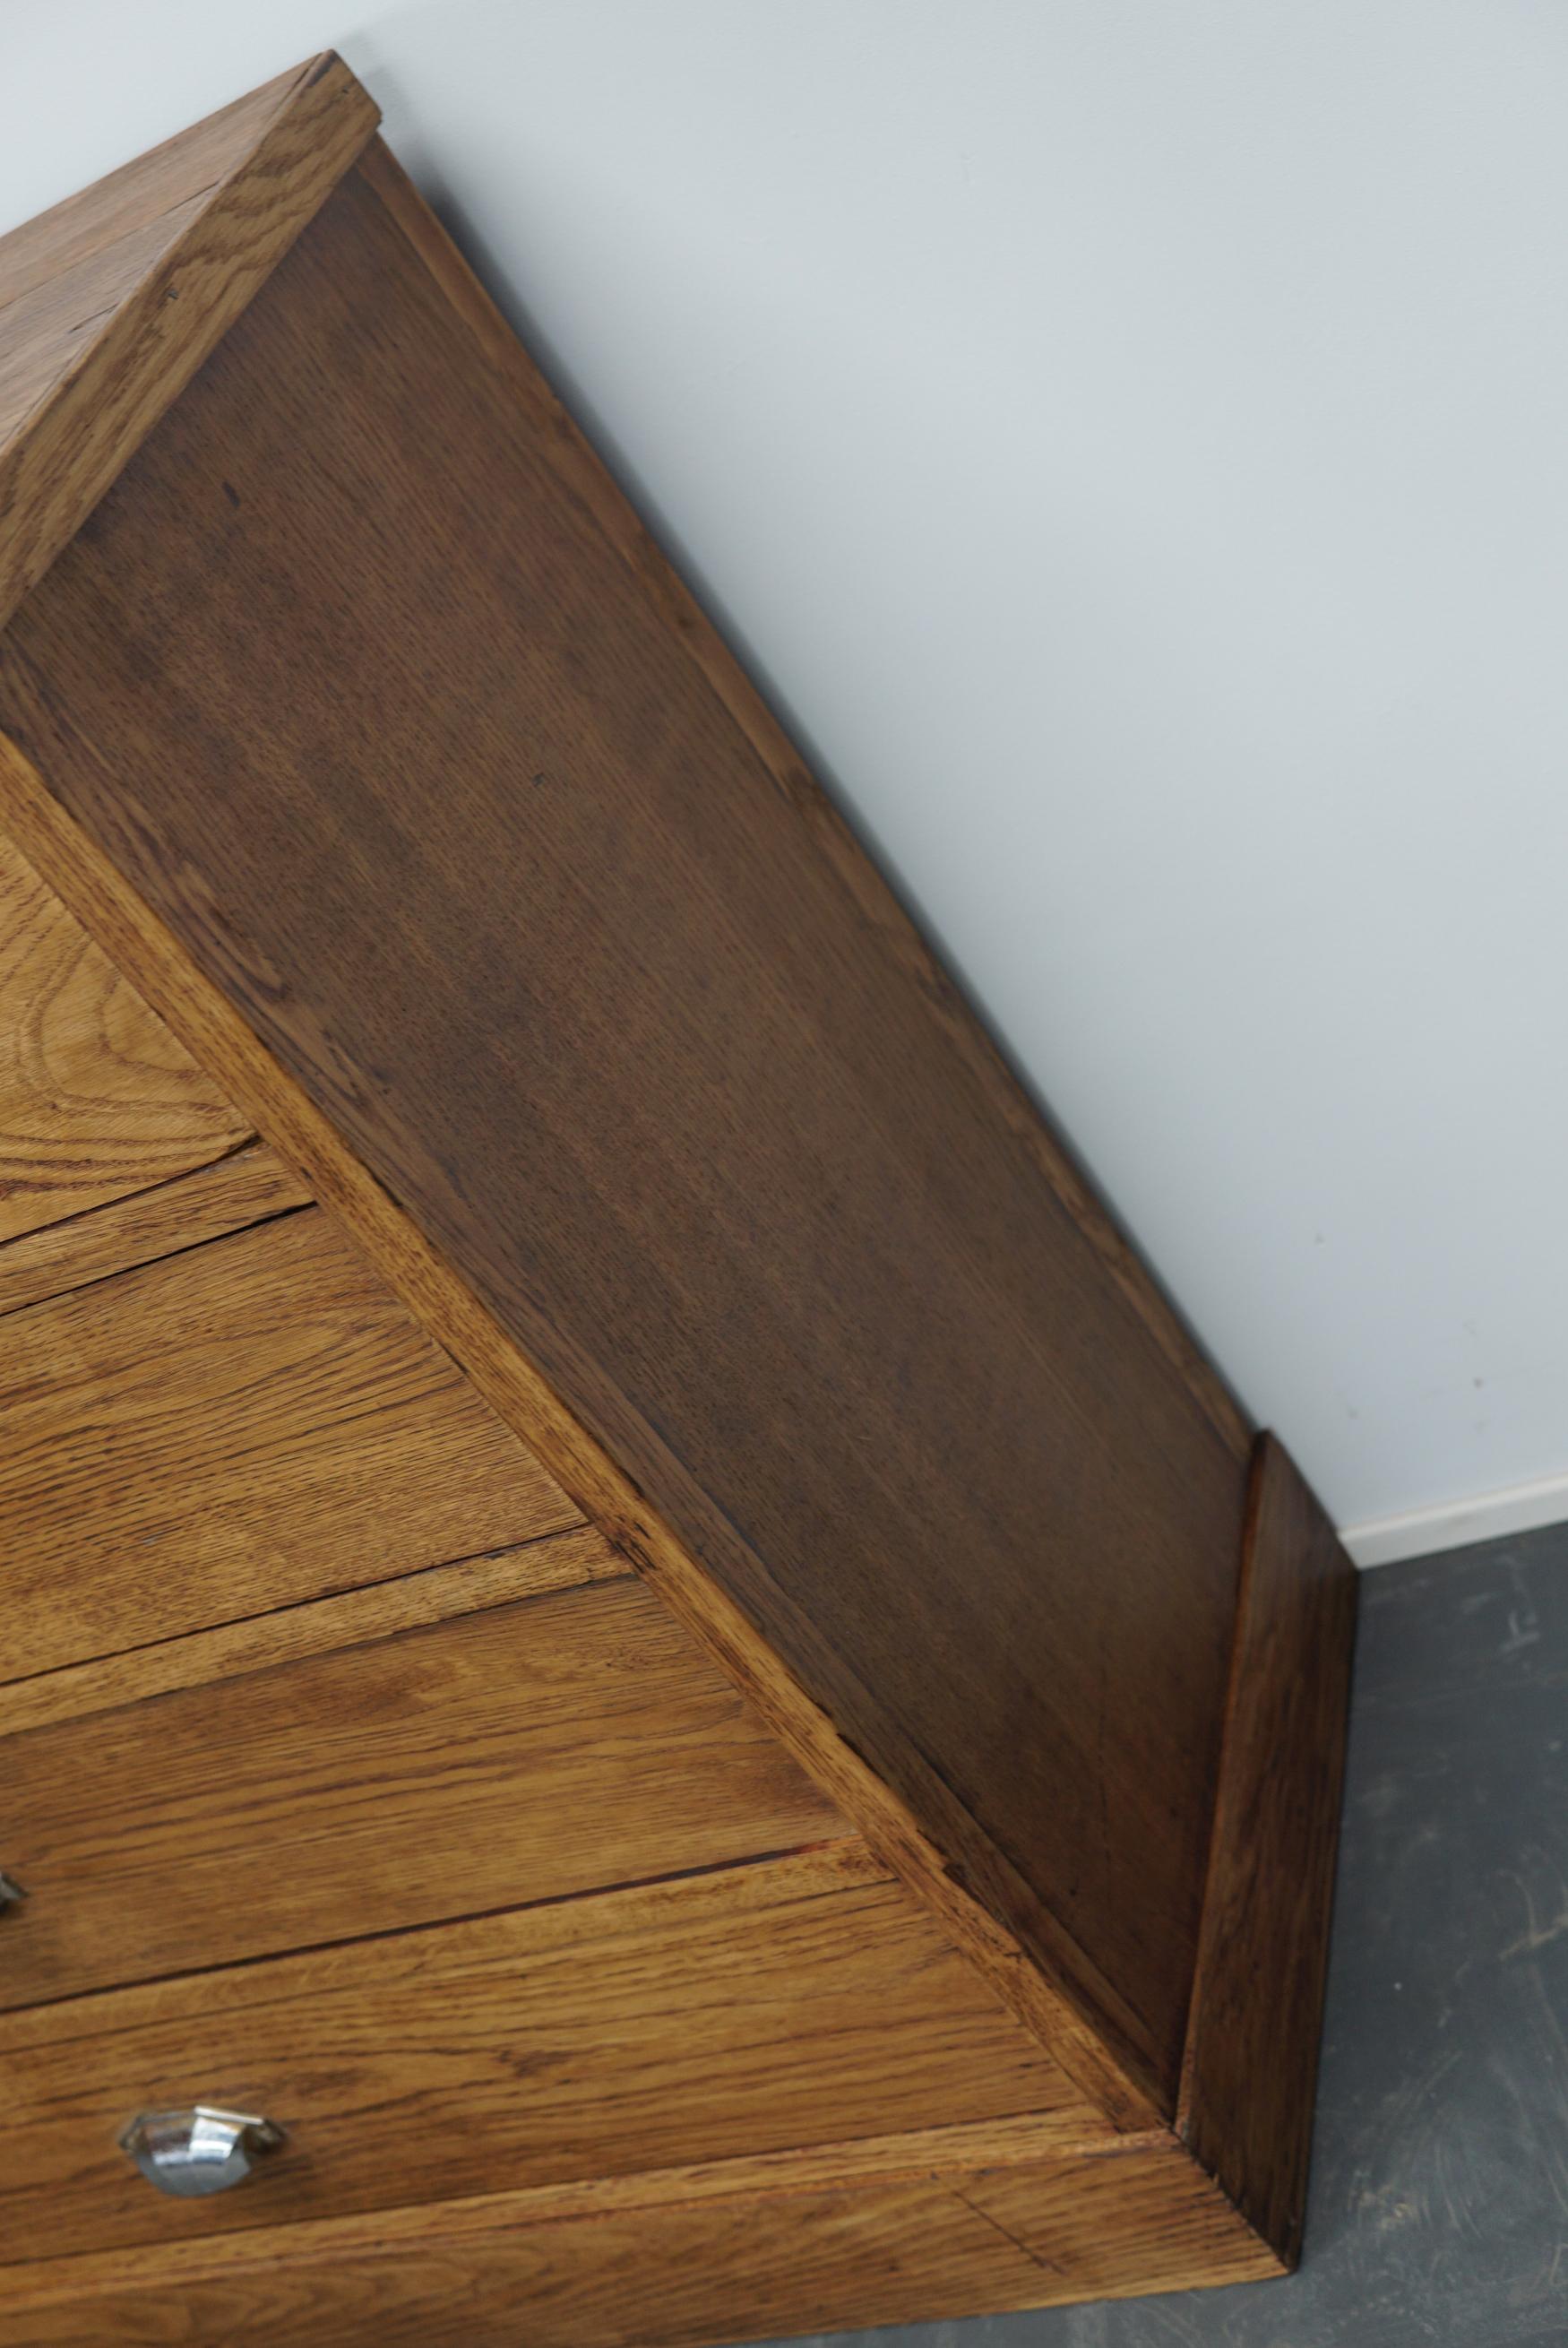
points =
(907, 2155)
(110, 303)
(672, 2269)
(651, 1079)
(1257, 2000)
(251, 1186)
(413, 1268)
(617, 521)
(469, 1585)
(45, 332)
(246, 1425)
(139, 194)
(97, 1099)
(778, 2005)
(538, 1749)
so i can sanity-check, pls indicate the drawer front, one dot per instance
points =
(244, 1426)
(97, 1099)
(790, 2002)
(533, 1750)
(675, 2268)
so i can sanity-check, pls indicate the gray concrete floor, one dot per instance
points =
(1438, 2210)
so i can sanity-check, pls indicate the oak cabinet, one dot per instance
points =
(627, 1616)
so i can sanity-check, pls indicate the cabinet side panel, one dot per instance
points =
(1257, 2005)
(351, 686)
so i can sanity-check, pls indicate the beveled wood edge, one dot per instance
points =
(360, 1617)
(1263, 1942)
(956, 2154)
(76, 439)
(248, 1184)
(203, 1019)
(135, 195)
(579, 464)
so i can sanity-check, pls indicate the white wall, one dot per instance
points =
(1129, 437)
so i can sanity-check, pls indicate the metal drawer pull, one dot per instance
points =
(198, 2151)
(11, 1892)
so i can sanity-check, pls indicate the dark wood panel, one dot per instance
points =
(1257, 2003)
(498, 877)
(244, 1426)
(522, 1753)
(802, 2001)
(109, 302)
(675, 2273)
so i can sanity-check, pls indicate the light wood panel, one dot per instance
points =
(109, 302)
(250, 1425)
(251, 1186)
(97, 1099)
(675, 2268)
(139, 194)
(537, 1749)
(798, 2000)
(651, 1078)
(468, 1585)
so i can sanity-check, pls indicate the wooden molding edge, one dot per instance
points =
(966, 2154)
(1052, 2004)
(1251, 2059)
(71, 445)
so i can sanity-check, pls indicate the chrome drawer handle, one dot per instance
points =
(11, 1892)
(198, 2151)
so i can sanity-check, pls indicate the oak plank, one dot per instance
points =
(468, 1585)
(677, 2266)
(139, 194)
(544, 1748)
(251, 1186)
(250, 1425)
(703, 1170)
(45, 332)
(96, 1097)
(797, 2001)
(1016, 2139)
(107, 331)
(1257, 1999)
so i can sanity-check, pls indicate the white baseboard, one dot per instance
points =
(1517, 1508)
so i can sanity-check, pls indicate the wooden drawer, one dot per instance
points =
(689, 2258)
(97, 1099)
(250, 1425)
(795, 2002)
(541, 1748)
